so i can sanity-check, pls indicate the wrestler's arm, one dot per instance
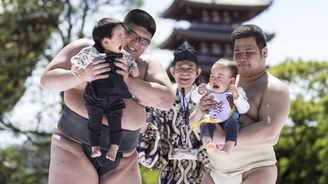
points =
(273, 113)
(57, 75)
(156, 88)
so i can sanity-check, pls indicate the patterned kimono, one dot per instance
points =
(167, 131)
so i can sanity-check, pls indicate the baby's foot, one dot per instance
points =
(111, 154)
(95, 151)
(211, 147)
(206, 140)
(227, 148)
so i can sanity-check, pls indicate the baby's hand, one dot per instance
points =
(202, 88)
(234, 91)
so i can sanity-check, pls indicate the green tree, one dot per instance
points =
(302, 149)
(26, 26)
(24, 164)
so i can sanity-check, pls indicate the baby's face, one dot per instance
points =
(116, 42)
(220, 79)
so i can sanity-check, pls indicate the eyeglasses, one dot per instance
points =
(135, 37)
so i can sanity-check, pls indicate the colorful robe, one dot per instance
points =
(166, 131)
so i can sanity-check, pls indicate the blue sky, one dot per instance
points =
(300, 28)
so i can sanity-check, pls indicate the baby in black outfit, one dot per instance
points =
(104, 96)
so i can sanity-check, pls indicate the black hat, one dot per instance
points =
(185, 52)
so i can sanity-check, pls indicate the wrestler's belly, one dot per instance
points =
(134, 115)
(242, 159)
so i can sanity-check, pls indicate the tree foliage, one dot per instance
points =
(302, 150)
(24, 164)
(27, 30)
(26, 26)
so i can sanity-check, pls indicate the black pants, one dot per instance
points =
(75, 126)
(112, 107)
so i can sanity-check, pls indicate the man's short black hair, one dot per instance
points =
(104, 28)
(250, 30)
(141, 18)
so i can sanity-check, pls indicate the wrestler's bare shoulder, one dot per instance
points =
(154, 67)
(148, 66)
(77, 45)
(62, 59)
(276, 84)
(82, 42)
(150, 61)
(146, 58)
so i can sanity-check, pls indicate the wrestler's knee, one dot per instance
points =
(67, 164)
(261, 175)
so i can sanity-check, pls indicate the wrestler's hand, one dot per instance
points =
(202, 88)
(204, 106)
(122, 63)
(233, 89)
(134, 71)
(206, 103)
(95, 70)
(81, 72)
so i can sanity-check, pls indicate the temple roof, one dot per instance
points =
(232, 2)
(183, 9)
(197, 34)
(201, 33)
(211, 25)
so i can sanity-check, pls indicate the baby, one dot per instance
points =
(104, 96)
(230, 102)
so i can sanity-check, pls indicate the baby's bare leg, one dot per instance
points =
(112, 152)
(227, 148)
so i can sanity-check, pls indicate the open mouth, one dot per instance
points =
(243, 65)
(131, 49)
(182, 79)
(215, 86)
